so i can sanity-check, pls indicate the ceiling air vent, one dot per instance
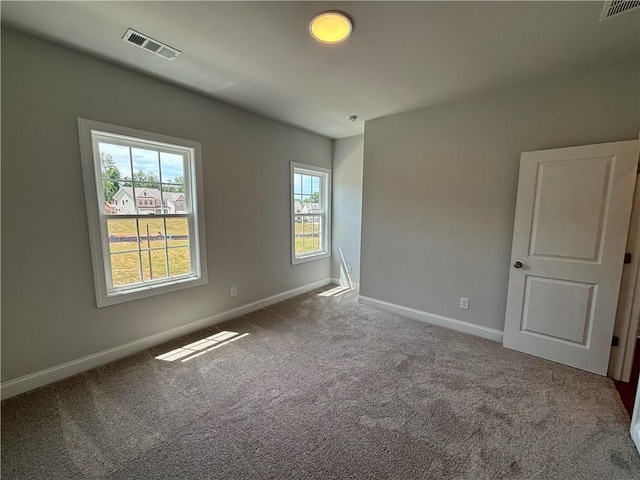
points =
(143, 41)
(613, 8)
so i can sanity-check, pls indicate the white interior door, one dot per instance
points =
(570, 232)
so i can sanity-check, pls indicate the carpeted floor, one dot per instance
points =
(322, 387)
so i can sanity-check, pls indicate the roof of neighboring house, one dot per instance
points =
(300, 207)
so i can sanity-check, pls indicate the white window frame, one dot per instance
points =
(97, 219)
(325, 192)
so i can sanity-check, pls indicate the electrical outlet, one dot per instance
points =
(464, 303)
(234, 291)
(349, 269)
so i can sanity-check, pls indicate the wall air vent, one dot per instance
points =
(143, 41)
(613, 8)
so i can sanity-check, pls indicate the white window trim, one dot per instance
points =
(96, 218)
(326, 253)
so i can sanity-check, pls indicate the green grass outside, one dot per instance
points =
(125, 267)
(307, 228)
(307, 244)
(126, 227)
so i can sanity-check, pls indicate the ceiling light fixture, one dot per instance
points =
(331, 27)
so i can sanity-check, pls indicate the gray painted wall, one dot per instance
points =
(440, 186)
(48, 306)
(347, 206)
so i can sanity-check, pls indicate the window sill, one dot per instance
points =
(310, 258)
(147, 291)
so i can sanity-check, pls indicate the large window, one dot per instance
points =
(144, 204)
(310, 212)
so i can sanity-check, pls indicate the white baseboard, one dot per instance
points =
(23, 384)
(432, 318)
(355, 286)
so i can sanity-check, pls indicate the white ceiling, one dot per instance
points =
(401, 56)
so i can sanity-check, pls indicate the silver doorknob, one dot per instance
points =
(517, 264)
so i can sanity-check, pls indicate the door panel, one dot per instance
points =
(572, 193)
(571, 301)
(570, 231)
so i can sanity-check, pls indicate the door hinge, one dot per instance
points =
(615, 341)
(627, 258)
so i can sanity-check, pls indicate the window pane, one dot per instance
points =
(121, 194)
(114, 161)
(315, 229)
(146, 166)
(179, 261)
(177, 232)
(145, 260)
(125, 269)
(319, 237)
(158, 264)
(147, 198)
(174, 199)
(297, 183)
(113, 203)
(123, 235)
(310, 235)
(114, 166)
(308, 239)
(304, 235)
(151, 233)
(297, 225)
(312, 191)
(172, 167)
(306, 185)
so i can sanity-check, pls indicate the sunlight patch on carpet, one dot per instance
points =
(335, 292)
(199, 347)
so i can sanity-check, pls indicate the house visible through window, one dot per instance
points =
(310, 212)
(144, 208)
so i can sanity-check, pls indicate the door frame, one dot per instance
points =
(628, 314)
(634, 429)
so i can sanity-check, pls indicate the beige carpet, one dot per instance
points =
(322, 387)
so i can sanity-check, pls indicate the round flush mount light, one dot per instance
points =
(331, 27)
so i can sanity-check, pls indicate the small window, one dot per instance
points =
(140, 251)
(310, 213)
